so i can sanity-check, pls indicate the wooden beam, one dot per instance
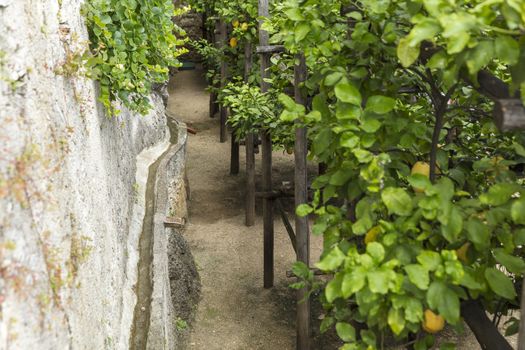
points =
(274, 194)
(286, 223)
(301, 197)
(250, 149)
(172, 222)
(266, 140)
(270, 49)
(223, 35)
(214, 36)
(234, 157)
(213, 104)
(521, 335)
(509, 114)
(509, 111)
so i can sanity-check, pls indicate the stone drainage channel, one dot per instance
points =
(153, 326)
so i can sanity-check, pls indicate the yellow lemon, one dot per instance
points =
(233, 42)
(433, 323)
(421, 168)
(371, 235)
(462, 252)
(244, 26)
(235, 24)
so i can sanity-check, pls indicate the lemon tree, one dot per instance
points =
(430, 190)
(422, 204)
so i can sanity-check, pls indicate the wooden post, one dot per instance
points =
(521, 336)
(509, 114)
(266, 146)
(214, 37)
(234, 161)
(301, 223)
(250, 149)
(224, 78)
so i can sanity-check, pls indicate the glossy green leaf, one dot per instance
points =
(380, 104)
(517, 211)
(444, 300)
(345, 331)
(407, 54)
(418, 275)
(396, 320)
(397, 201)
(347, 92)
(500, 283)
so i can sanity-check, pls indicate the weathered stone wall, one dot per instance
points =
(71, 194)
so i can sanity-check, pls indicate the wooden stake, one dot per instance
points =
(213, 104)
(521, 336)
(266, 158)
(250, 149)
(286, 223)
(214, 36)
(224, 78)
(301, 223)
(234, 161)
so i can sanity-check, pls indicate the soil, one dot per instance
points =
(235, 311)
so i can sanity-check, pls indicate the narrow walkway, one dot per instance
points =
(235, 311)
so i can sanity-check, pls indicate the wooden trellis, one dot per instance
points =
(508, 113)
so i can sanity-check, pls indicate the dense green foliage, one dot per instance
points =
(394, 87)
(252, 111)
(133, 43)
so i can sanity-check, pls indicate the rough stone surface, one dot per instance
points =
(174, 292)
(71, 203)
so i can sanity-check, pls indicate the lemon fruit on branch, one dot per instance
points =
(420, 168)
(433, 323)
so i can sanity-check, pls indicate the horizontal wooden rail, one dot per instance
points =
(267, 49)
(509, 112)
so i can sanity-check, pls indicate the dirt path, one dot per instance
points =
(235, 311)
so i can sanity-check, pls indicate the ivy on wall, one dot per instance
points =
(133, 43)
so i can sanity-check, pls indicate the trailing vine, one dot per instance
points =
(133, 44)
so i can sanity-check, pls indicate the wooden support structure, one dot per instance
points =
(273, 194)
(301, 197)
(509, 114)
(171, 222)
(269, 49)
(509, 111)
(213, 37)
(250, 150)
(521, 335)
(287, 224)
(223, 111)
(266, 144)
(234, 161)
(213, 104)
